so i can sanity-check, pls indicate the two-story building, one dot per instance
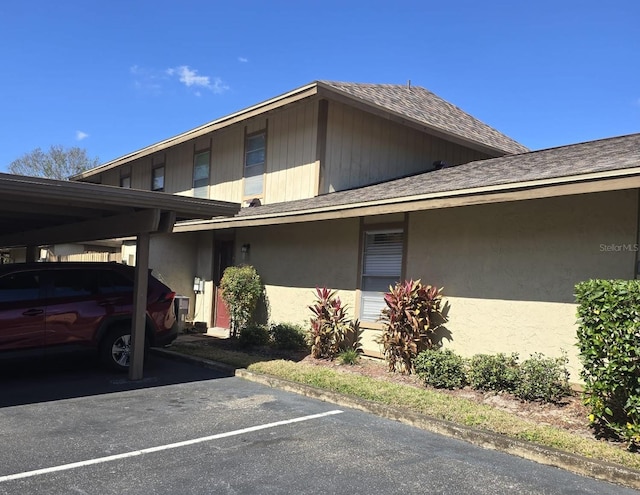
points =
(356, 186)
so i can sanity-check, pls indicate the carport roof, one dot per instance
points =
(36, 211)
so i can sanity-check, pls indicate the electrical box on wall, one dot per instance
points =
(198, 285)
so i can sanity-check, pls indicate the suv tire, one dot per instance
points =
(115, 347)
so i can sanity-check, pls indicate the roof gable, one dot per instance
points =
(424, 107)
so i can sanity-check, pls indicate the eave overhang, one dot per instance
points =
(519, 191)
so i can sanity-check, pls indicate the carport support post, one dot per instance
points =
(139, 307)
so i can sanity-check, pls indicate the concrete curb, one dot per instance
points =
(205, 363)
(605, 471)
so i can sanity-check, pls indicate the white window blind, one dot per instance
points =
(381, 268)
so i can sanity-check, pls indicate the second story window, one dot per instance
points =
(125, 181)
(157, 178)
(201, 175)
(254, 160)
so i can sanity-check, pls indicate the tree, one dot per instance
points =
(57, 163)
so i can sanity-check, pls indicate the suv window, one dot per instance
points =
(112, 282)
(73, 283)
(24, 286)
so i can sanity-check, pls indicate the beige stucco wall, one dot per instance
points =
(173, 258)
(295, 259)
(509, 269)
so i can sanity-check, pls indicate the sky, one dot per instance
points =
(116, 76)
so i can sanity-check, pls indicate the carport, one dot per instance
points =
(36, 212)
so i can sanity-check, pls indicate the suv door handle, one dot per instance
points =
(33, 312)
(110, 301)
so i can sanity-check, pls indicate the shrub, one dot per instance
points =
(412, 314)
(288, 336)
(241, 289)
(543, 379)
(499, 373)
(253, 335)
(349, 356)
(441, 368)
(331, 330)
(352, 339)
(609, 343)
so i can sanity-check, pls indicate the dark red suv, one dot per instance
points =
(57, 307)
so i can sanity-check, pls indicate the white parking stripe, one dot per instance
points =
(99, 460)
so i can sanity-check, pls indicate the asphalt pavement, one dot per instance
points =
(75, 428)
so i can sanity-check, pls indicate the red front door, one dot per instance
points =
(221, 318)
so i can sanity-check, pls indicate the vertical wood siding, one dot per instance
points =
(178, 169)
(291, 170)
(364, 149)
(360, 149)
(227, 161)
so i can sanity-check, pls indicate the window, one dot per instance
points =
(157, 178)
(201, 175)
(125, 181)
(73, 283)
(381, 268)
(17, 287)
(254, 158)
(111, 282)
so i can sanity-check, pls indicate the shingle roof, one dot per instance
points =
(594, 156)
(423, 106)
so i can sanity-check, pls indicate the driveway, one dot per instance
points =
(71, 427)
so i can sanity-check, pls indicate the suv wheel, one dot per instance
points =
(115, 348)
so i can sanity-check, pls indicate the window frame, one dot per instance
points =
(154, 177)
(124, 178)
(368, 230)
(201, 191)
(246, 166)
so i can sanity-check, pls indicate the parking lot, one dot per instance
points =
(68, 426)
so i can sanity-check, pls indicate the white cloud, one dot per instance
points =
(81, 135)
(244, 60)
(190, 78)
(147, 80)
(153, 80)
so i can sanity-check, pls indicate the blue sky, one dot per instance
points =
(115, 76)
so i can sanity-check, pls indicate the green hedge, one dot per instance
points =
(609, 342)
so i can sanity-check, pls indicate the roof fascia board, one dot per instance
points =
(353, 101)
(247, 113)
(589, 183)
